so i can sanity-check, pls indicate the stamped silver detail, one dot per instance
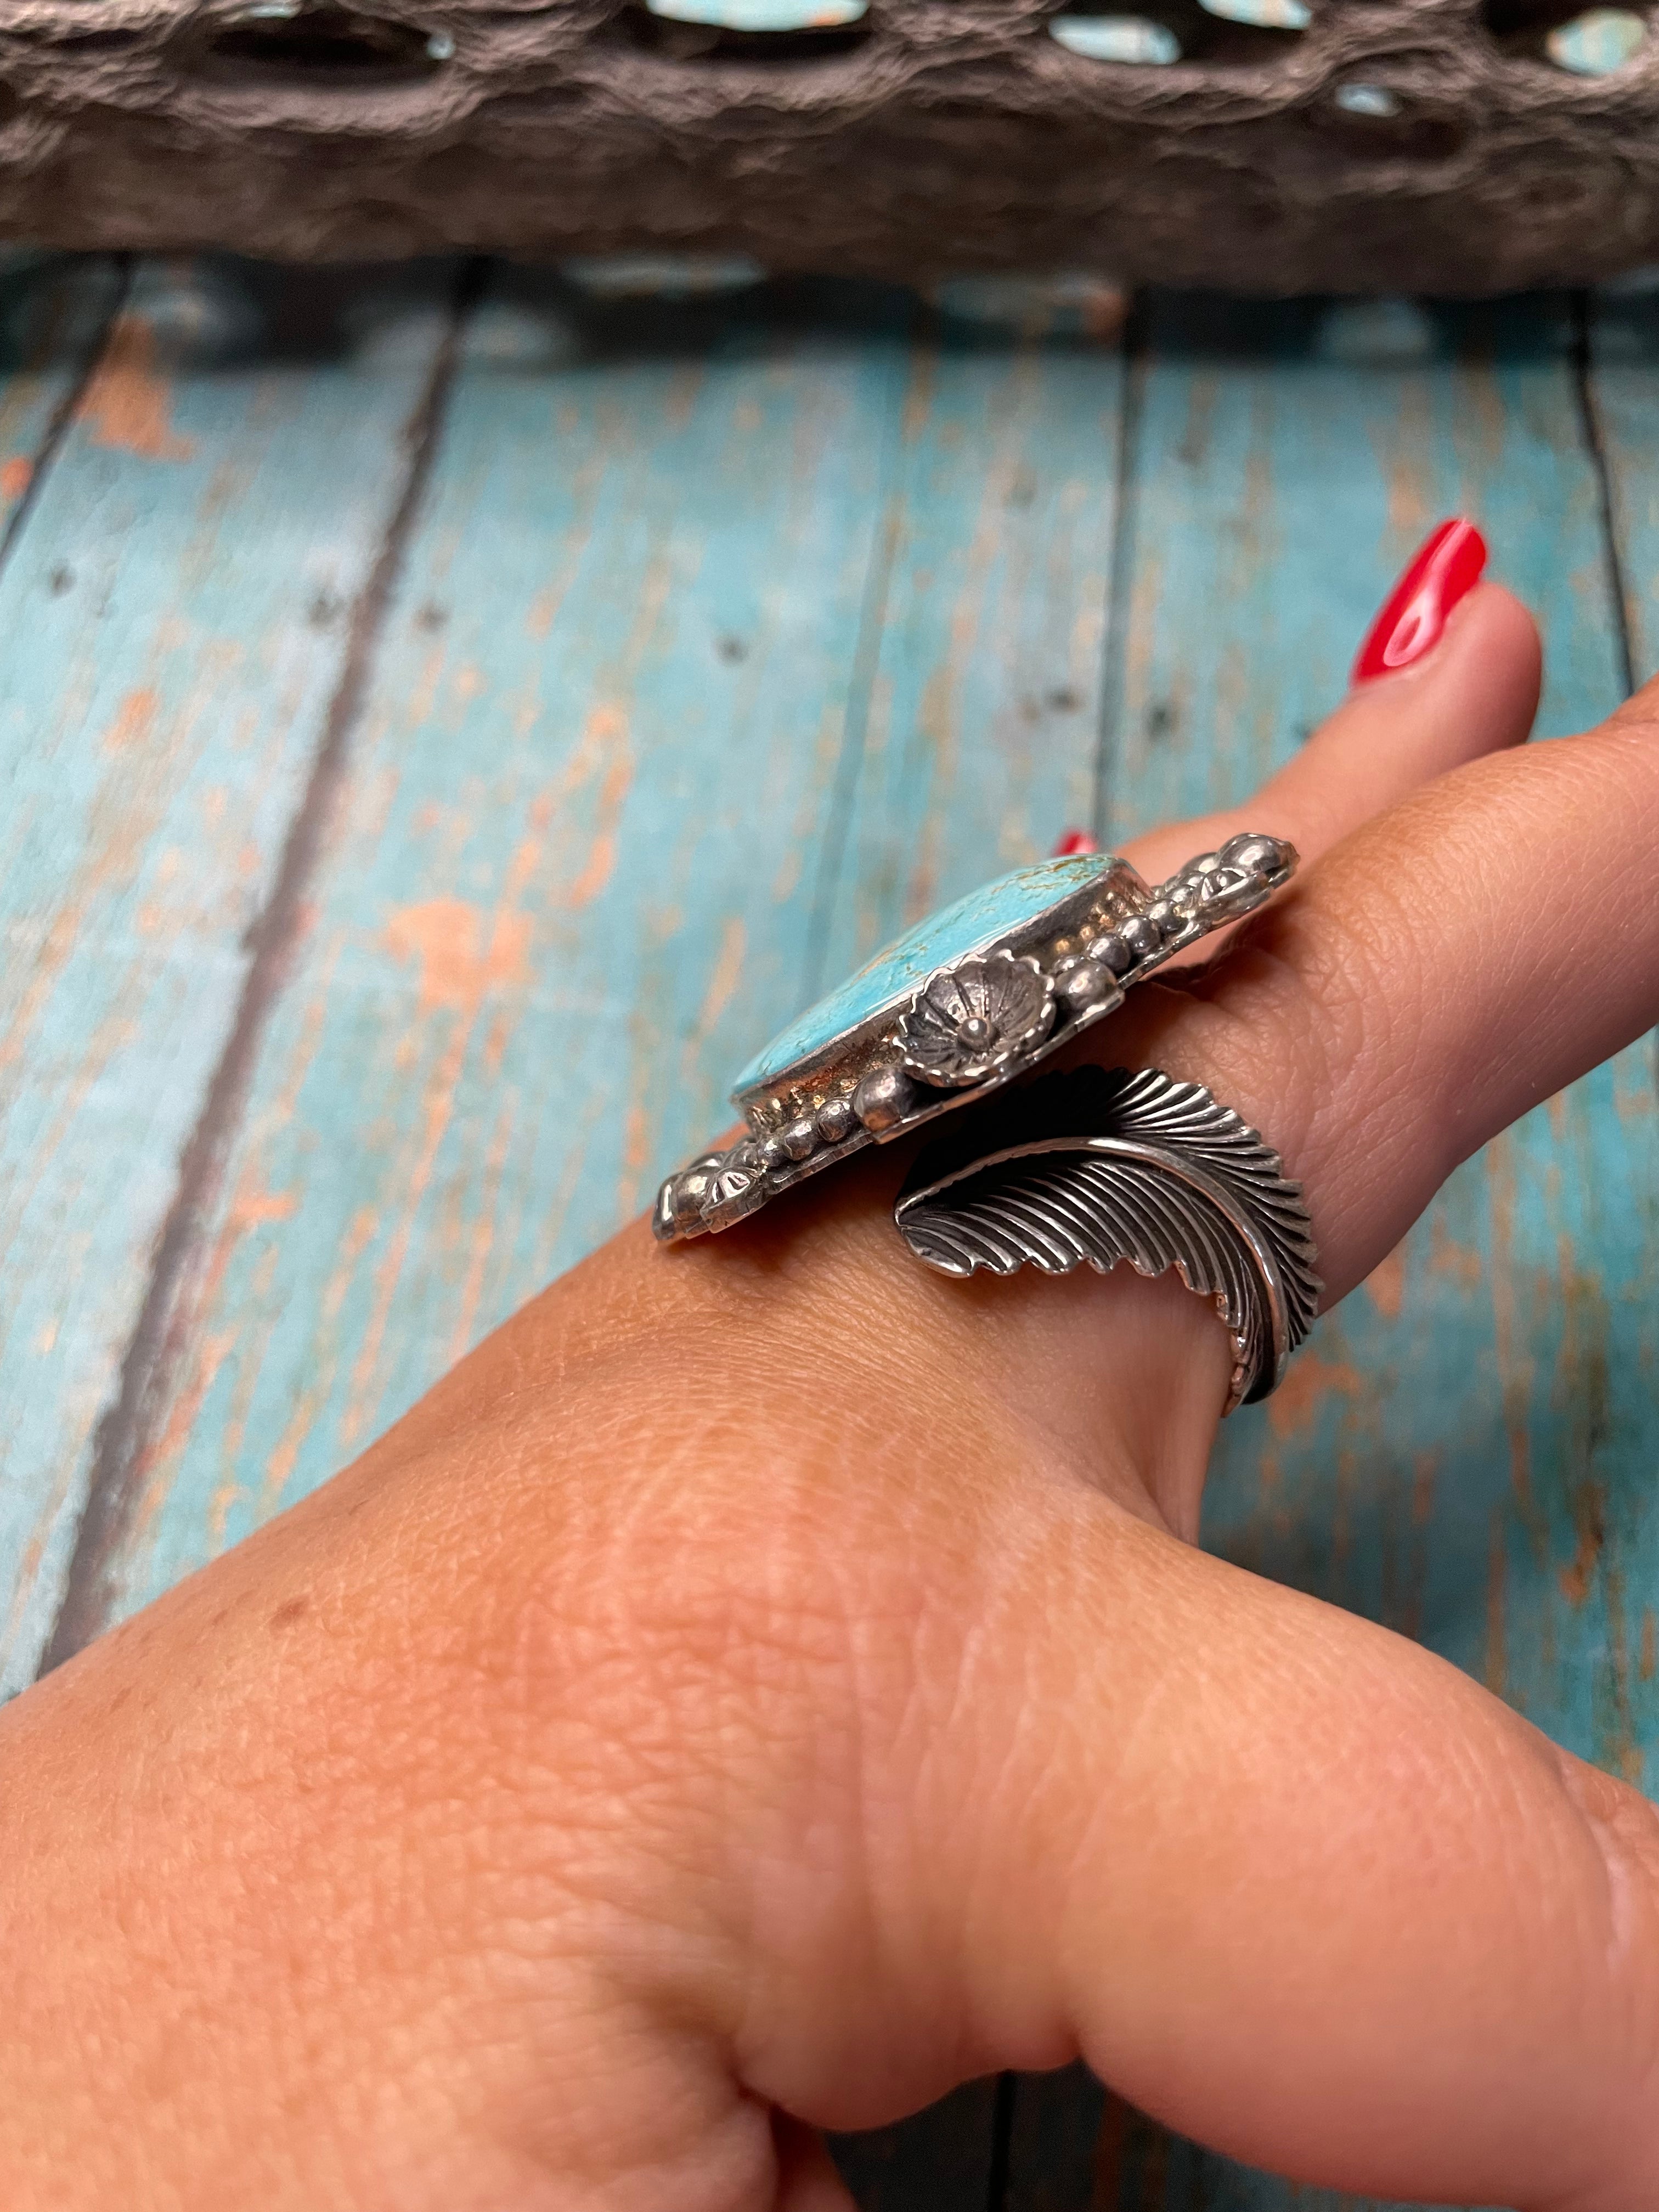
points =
(978, 1021)
(973, 1018)
(1104, 1168)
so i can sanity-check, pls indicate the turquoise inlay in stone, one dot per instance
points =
(888, 980)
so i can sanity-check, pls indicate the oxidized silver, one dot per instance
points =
(875, 1062)
(974, 1018)
(1104, 1168)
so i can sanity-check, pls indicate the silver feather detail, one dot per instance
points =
(1102, 1168)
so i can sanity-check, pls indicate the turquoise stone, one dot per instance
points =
(888, 980)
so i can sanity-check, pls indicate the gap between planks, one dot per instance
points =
(84, 365)
(123, 1435)
(1595, 447)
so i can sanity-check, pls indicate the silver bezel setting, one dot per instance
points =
(1030, 990)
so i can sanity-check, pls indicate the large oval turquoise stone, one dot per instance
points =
(888, 980)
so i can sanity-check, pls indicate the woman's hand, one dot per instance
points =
(766, 1683)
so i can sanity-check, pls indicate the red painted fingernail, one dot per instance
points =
(1075, 841)
(1446, 569)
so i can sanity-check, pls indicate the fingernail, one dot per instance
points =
(1075, 841)
(1444, 570)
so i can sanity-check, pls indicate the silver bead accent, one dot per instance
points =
(1262, 856)
(1113, 952)
(772, 1153)
(1086, 983)
(1165, 919)
(681, 1201)
(799, 1139)
(836, 1119)
(664, 1221)
(883, 1099)
(1142, 935)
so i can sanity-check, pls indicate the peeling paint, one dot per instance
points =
(127, 405)
(1309, 1381)
(462, 956)
(1386, 1283)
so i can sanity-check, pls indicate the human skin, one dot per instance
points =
(766, 1684)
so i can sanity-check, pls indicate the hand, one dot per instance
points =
(766, 1684)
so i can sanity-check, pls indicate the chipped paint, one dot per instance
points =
(483, 1049)
(462, 954)
(1309, 1382)
(1590, 1517)
(1386, 1283)
(127, 405)
(597, 868)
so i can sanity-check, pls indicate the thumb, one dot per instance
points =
(1289, 1883)
(1320, 1900)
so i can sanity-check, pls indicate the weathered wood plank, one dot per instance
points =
(591, 818)
(1466, 1449)
(569, 877)
(981, 738)
(53, 313)
(1624, 343)
(176, 616)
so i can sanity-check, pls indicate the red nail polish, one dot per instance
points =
(1074, 841)
(1446, 569)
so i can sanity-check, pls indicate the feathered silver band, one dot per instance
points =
(1106, 1167)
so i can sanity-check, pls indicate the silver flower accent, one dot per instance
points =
(968, 1021)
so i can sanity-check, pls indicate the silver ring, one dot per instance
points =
(1102, 1168)
(1144, 1169)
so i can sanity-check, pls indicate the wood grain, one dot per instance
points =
(978, 742)
(176, 613)
(53, 313)
(1464, 1450)
(729, 632)
(568, 884)
(1622, 338)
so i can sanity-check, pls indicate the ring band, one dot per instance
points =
(1100, 1167)
(951, 1019)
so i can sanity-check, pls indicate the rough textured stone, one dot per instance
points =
(954, 135)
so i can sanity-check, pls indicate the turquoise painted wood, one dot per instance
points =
(569, 897)
(977, 743)
(1467, 1448)
(175, 617)
(731, 634)
(52, 314)
(1624, 337)
(1287, 460)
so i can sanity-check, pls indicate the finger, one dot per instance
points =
(1475, 693)
(1349, 1918)
(1451, 965)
